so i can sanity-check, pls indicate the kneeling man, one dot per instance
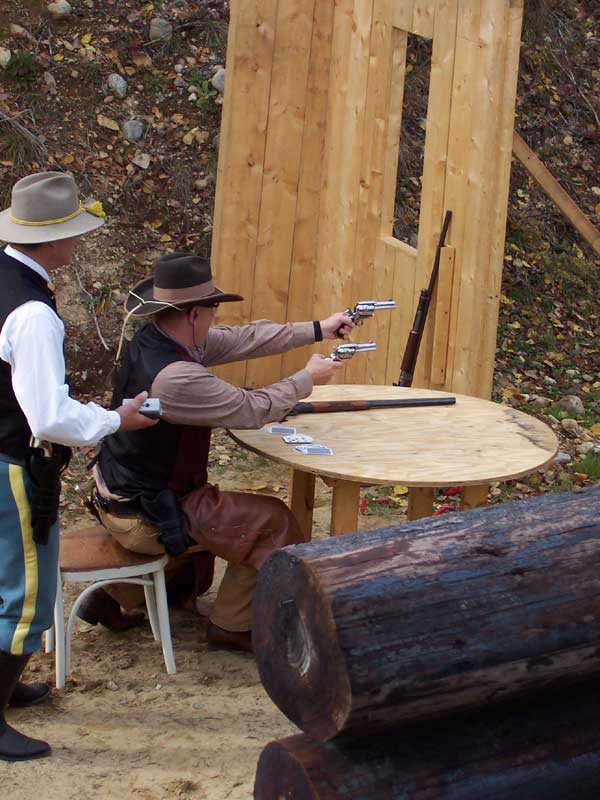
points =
(152, 484)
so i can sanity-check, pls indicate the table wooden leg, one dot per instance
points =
(303, 500)
(420, 502)
(344, 507)
(474, 497)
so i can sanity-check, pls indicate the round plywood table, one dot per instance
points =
(469, 444)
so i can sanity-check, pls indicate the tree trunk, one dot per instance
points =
(362, 632)
(549, 750)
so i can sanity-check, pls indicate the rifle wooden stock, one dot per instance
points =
(331, 406)
(413, 344)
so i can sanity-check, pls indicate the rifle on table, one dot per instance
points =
(416, 334)
(331, 406)
(343, 352)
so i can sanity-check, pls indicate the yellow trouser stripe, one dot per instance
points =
(15, 474)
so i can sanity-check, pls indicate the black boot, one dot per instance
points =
(28, 694)
(14, 746)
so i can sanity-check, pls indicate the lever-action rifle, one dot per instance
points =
(329, 406)
(416, 334)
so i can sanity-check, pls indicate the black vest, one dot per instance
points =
(18, 285)
(165, 456)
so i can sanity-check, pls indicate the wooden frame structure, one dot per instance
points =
(308, 167)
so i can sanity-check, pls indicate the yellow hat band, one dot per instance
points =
(94, 208)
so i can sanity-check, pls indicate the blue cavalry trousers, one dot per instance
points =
(27, 570)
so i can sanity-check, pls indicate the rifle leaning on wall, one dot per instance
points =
(416, 334)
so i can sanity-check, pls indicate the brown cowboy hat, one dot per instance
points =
(180, 280)
(45, 207)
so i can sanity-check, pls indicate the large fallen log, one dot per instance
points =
(375, 629)
(547, 750)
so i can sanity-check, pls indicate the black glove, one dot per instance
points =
(173, 537)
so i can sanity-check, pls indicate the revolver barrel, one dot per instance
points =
(345, 351)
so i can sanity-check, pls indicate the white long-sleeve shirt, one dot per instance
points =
(31, 341)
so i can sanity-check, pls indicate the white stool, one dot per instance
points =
(92, 554)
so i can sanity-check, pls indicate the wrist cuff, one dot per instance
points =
(318, 331)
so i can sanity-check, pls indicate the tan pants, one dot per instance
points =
(241, 528)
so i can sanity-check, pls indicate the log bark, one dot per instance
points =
(363, 632)
(549, 750)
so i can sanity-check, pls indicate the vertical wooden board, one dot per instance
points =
(502, 180)
(306, 231)
(423, 16)
(380, 325)
(371, 176)
(224, 138)
(404, 269)
(285, 127)
(402, 14)
(441, 317)
(345, 117)
(435, 164)
(479, 287)
(394, 124)
(463, 119)
(244, 153)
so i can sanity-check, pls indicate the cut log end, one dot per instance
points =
(304, 678)
(281, 775)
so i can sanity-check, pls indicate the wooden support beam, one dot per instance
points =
(441, 319)
(562, 200)
(344, 507)
(420, 502)
(303, 500)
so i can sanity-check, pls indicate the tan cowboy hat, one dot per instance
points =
(44, 208)
(180, 280)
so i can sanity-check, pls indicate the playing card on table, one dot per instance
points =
(314, 450)
(298, 438)
(282, 430)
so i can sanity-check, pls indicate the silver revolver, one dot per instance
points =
(365, 309)
(345, 351)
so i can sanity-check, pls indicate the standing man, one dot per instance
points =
(39, 422)
(153, 489)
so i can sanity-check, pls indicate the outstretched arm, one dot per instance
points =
(191, 395)
(265, 338)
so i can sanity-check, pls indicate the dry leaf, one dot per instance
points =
(107, 122)
(68, 159)
(141, 60)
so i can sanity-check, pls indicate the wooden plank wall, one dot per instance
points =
(308, 166)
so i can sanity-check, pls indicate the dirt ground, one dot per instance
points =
(123, 728)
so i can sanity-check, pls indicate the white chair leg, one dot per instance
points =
(150, 596)
(49, 640)
(61, 655)
(163, 620)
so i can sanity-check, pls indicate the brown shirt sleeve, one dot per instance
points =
(261, 338)
(191, 395)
